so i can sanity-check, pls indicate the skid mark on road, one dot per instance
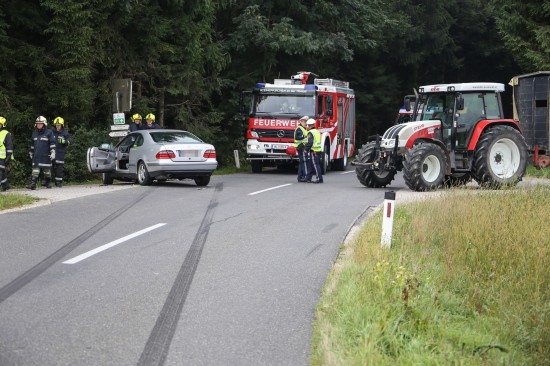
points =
(37, 270)
(158, 344)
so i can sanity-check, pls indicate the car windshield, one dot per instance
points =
(181, 137)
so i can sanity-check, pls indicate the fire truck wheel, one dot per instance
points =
(457, 180)
(372, 178)
(325, 160)
(500, 157)
(256, 166)
(342, 164)
(424, 167)
(107, 179)
(143, 175)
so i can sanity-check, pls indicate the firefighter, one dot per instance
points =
(150, 122)
(42, 153)
(136, 123)
(313, 149)
(300, 139)
(6, 154)
(62, 140)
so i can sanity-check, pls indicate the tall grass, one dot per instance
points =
(467, 282)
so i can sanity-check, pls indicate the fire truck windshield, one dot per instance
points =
(283, 105)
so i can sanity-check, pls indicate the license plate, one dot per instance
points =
(188, 153)
(278, 147)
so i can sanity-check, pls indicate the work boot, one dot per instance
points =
(47, 183)
(5, 186)
(58, 183)
(32, 185)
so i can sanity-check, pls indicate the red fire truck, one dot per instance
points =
(274, 112)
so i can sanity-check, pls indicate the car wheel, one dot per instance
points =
(143, 175)
(202, 181)
(107, 179)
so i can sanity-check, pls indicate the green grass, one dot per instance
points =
(232, 170)
(538, 173)
(12, 200)
(467, 282)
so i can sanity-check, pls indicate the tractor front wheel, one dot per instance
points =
(424, 167)
(500, 157)
(372, 178)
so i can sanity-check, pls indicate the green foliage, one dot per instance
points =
(12, 200)
(525, 28)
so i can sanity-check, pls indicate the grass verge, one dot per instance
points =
(537, 173)
(12, 200)
(465, 283)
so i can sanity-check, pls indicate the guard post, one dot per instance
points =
(387, 220)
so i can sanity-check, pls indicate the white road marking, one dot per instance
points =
(111, 244)
(348, 171)
(269, 189)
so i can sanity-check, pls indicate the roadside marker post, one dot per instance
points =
(237, 162)
(387, 220)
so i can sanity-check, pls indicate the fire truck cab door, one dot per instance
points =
(326, 110)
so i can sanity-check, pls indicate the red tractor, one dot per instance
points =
(457, 132)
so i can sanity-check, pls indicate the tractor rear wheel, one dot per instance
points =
(424, 167)
(500, 157)
(372, 178)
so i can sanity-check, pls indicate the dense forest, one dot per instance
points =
(189, 59)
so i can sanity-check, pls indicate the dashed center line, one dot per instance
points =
(269, 189)
(111, 244)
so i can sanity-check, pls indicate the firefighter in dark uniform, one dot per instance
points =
(62, 140)
(150, 123)
(136, 123)
(300, 139)
(6, 153)
(313, 148)
(42, 153)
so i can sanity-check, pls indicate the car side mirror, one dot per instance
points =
(407, 104)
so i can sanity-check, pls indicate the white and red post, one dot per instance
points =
(387, 220)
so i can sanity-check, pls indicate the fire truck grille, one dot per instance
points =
(287, 134)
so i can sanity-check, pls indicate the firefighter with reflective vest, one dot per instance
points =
(136, 123)
(62, 140)
(300, 139)
(150, 122)
(6, 153)
(42, 153)
(313, 148)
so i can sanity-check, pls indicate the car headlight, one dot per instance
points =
(390, 143)
(254, 134)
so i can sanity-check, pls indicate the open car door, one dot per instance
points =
(101, 160)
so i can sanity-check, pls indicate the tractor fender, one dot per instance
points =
(441, 145)
(484, 125)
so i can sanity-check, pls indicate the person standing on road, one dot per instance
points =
(300, 139)
(150, 122)
(42, 153)
(62, 140)
(136, 123)
(313, 149)
(6, 154)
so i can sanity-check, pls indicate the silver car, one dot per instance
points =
(159, 154)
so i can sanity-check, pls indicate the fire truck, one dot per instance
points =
(275, 109)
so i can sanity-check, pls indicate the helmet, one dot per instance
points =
(3, 121)
(41, 119)
(136, 116)
(304, 118)
(59, 121)
(311, 122)
(150, 116)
